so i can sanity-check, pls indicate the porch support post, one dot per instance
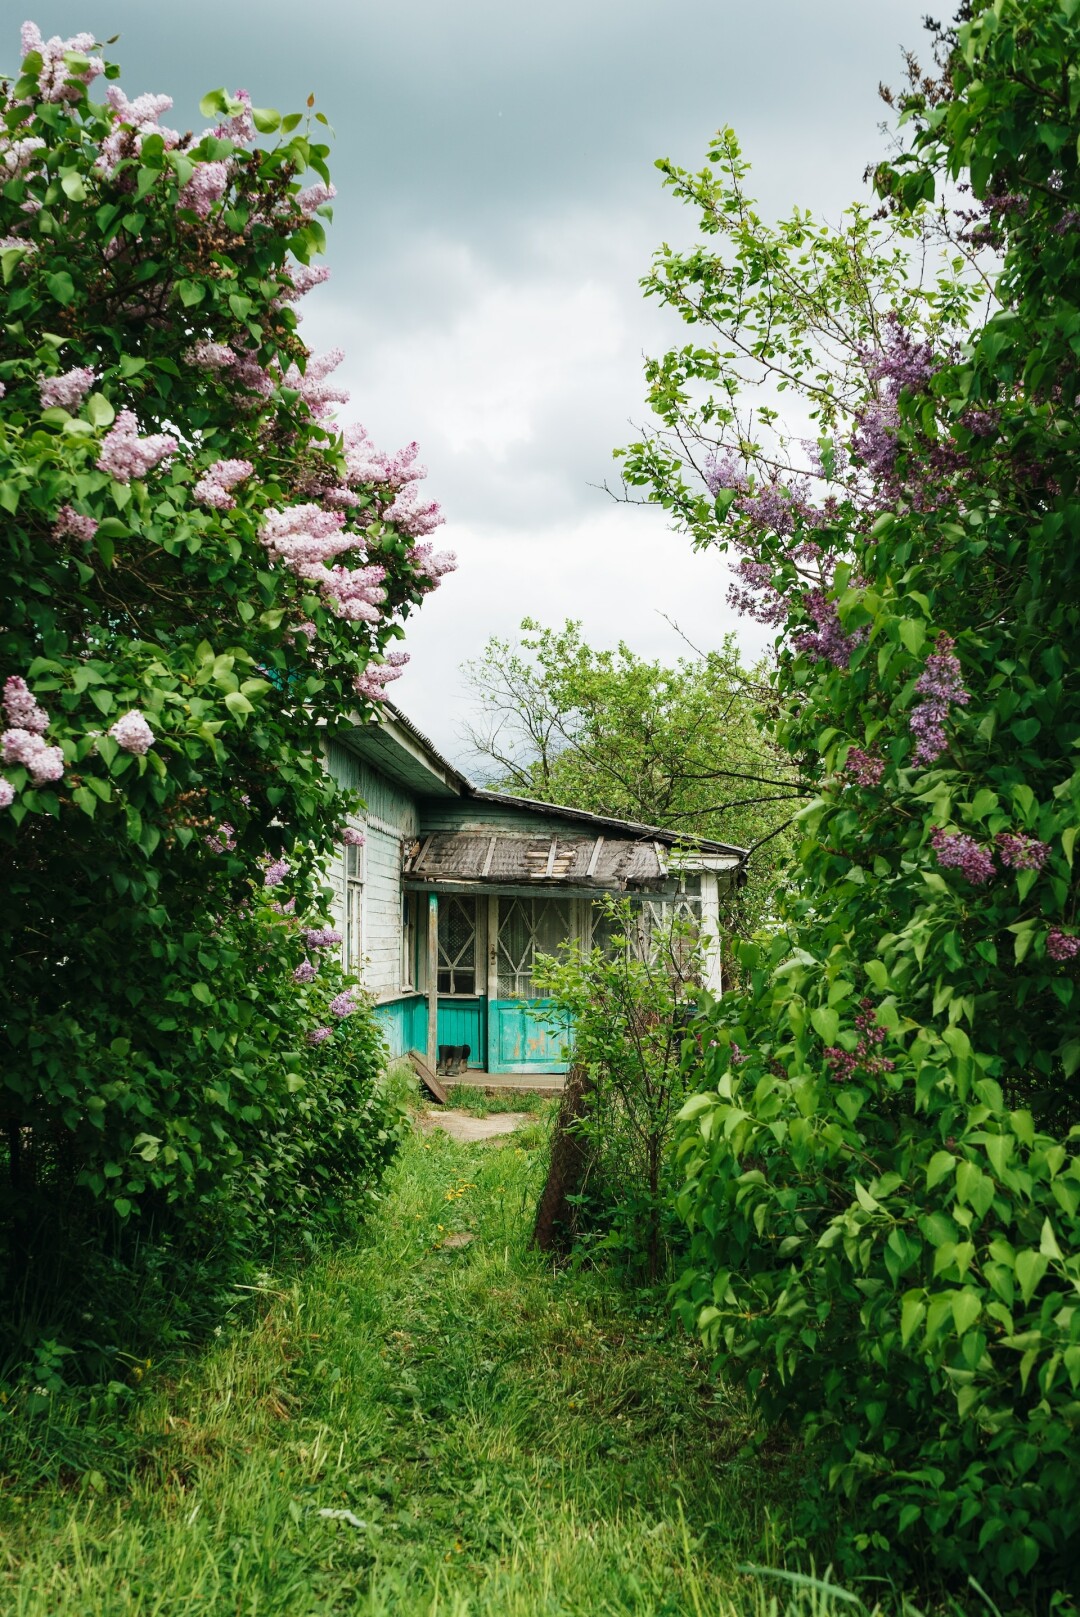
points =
(433, 981)
(710, 925)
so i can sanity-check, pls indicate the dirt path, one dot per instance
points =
(462, 1126)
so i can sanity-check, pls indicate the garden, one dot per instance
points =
(807, 1337)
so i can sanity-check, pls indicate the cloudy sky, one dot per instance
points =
(497, 203)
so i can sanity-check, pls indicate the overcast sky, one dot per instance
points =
(497, 203)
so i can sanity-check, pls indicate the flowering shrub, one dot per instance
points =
(881, 1173)
(202, 571)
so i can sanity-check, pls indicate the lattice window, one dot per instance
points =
(528, 927)
(650, 935)
(457, 945)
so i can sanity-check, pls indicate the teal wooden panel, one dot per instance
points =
(464, 1021)
(521, 1041)
(404, 1024)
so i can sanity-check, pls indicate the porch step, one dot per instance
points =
(538, 1083)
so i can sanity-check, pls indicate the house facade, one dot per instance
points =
(456, 890)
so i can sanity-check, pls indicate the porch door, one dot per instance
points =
(521, 1038)
(461, 1016)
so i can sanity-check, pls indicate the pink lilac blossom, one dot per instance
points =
(56, 80)
(7, 793)
(73, 523)
(214, 484)
(17, 156)
(308, 630)
(133, 733)
(21, 706)
(314, 197)
(312, 385)
(1021, 852)
(240, 128)
(961, 852)
(21, 746)
(223, 840)
(305, 972)
(209, 356)
(373, 681)
(353, 838)
(344, 1004)
(865, 769)
(133, 122)
(65, 392)
(318, 1035)
(866, 1057)
(322, 937)
(412, 516)
(207, 185)
(275, 873)
(125, 455)
(939, 681)
(246, 372)
(1061, 945)
(300, 279)
(433, 563)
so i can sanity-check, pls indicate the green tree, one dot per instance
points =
(201, 572)
(611, 732)
(881, 1170)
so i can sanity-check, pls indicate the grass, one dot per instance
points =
(419, 1427)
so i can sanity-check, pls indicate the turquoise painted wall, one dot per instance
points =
(404, 1024)
(464, 1021)
(521, 1041)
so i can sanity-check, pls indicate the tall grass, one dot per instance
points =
(414, 1427)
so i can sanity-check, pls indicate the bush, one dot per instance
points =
(629, 1006)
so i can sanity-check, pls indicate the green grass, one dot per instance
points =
(509, 1439)
(484, 1103)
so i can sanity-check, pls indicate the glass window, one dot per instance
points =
(457, 945)
(528, 927)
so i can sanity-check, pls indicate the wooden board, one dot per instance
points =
(428, 1078)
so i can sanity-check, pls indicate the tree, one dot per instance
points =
(881, 1174)
(610, 732)
(202, 572)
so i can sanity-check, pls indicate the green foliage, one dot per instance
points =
(612, 733)
(881, 1175)
(629, 1005)
(156, 1062)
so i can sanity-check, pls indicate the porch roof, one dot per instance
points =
(496, 858)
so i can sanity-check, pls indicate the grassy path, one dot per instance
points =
(497, 1440)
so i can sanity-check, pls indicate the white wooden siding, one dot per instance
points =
(382, 909)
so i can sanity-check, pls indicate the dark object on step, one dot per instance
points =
(554, 1227)
(453, 1059)
(428, 1078)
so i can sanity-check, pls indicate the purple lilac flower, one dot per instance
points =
(71, 522)
(56, 80)
(207, 185)
(1061, 945)
(828, 640)
(318, 1034)
(305, 972)
(21, 707)
(125, 455)
(132, 732)
(321, 937)
(864, 768)
(223, 840)
(344, 1004)
(7, 793)
(1021, 852)
(275, 873)
(214, 485)
(960, 852)
(939, 681)
(27, 748)
(210, 356)
(65, 392)
(353, 838)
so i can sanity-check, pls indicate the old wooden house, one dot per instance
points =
(456, 890)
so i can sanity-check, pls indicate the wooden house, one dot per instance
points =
(455, 890)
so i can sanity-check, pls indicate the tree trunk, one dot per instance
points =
(554, 1227)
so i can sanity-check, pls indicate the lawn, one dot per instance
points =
(424, 1425)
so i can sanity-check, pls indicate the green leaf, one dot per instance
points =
(1030, 1268)
(265, 119)
(941, 1163)
(61, 286)
(201, 992)
(913, 634)
(826, 1023)
(99, 410)
(966, 1308)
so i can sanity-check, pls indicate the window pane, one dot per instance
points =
(528, 927)
(457, 945)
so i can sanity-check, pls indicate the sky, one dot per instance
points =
(497, 205)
